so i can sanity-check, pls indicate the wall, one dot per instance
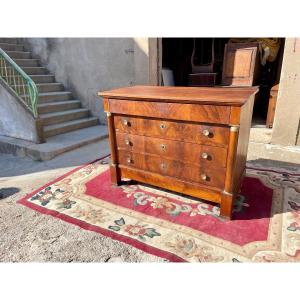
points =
(88, 65)
(287, 114)
(15, 120)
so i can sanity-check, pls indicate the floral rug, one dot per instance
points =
(265, 225)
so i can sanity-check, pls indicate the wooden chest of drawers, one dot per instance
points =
(189, 140)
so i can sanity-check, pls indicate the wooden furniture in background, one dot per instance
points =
(202, 79)
(272, 105)
(241, 64)
(189, 140)
(202, 74)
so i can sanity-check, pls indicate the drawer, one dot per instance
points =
(180, 131)
(186, 152)
(188, 172)
(177, 111)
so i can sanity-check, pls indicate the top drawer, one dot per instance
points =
(217, 114)
(179, 131)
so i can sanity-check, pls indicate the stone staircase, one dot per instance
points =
(60, 112)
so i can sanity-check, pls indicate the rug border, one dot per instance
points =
(244, 250)
(116, 236)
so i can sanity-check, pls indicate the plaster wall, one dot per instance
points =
(287, 114)
(15, 120)
(89, 65)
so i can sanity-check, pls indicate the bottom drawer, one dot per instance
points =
(199, 174)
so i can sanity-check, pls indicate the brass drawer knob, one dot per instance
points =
(163, 166)
(126, 122)
(127, 142)
(129, 160)
(206, 132)
(203, 177)
(204, 155)
(162, 126)
(163, 146)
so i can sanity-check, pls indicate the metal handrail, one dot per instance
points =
(23, 86)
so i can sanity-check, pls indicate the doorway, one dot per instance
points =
(176, 57)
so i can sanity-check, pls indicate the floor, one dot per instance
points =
(30, 236)
(27, 236)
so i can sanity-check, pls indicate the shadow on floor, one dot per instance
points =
(7, 192)
(269, 163)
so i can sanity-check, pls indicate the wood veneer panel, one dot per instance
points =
(184, 152)
(242, 143)
(173, 111)
(177, 185)
(198, 95)
(188, 172)
(180, 131)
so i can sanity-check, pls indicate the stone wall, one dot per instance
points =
(88, 65)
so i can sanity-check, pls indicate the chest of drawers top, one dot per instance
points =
(197, 104)
(235, 96)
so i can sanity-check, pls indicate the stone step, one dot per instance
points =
(48, 78)
(11, 47)
(31, 70)
(64, 116)
(35, 70)
(52, 130)
(27, 62)
(58, 144)
(54, 96)
(58, 106)
(9, 40)
(44, 88)
(18, 54)
(49, 87)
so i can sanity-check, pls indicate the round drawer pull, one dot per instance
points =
(203, 177)
(206, 132)
(204, 155)
(129, 160)
(163, 166)
(163, 146)
(162, 126)
(126, 122)
(127, 142)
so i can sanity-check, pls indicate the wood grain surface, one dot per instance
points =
(201, 95)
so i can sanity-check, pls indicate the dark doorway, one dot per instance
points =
(176, 56)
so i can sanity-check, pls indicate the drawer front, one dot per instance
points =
(199, 174)
(176, 111)
(180, 131)
(185, 152)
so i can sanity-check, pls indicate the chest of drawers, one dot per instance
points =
(186, 139)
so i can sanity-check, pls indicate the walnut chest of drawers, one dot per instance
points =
(190, 140)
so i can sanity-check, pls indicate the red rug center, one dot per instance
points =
(250, 220)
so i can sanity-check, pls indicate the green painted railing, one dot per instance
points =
(19, 82)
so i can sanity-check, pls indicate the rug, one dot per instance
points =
(265, 226)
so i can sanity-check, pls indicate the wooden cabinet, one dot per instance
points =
(186, 139)
(241, 64)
